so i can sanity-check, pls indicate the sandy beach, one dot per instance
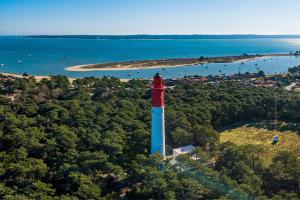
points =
(84, 68)
(39, 78)
(167, 63)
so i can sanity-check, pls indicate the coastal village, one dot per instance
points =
(289, 81)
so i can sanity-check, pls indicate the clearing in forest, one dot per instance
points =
(262, 134)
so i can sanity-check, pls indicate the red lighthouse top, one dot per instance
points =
(157, 91)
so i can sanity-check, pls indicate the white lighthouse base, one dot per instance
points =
(158, 131)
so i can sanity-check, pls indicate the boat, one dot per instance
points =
(19, 61)
(2, 65)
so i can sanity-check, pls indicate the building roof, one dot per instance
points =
(183, 150)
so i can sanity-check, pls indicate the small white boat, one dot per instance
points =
(2, 65)
(19, 61)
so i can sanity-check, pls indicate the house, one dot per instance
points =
(183, 150)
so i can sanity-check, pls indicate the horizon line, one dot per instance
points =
(146, 34)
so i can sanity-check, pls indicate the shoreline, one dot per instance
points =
(39, 78)
(166, 63)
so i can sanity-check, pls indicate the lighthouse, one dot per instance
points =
(158, 117)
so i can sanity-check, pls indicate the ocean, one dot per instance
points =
(50, 56)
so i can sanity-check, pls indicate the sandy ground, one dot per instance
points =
(81, 68)
(153, 64)
(39, 78)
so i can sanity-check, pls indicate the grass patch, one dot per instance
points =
(261, 135)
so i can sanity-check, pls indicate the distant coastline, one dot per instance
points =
(167, 63)
(159, 37)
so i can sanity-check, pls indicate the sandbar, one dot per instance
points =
(166, 63)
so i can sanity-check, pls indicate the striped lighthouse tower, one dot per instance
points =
(158, 117)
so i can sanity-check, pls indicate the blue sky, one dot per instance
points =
(149, 17)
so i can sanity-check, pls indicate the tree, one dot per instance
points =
(25, 75)
(261, 74)
(191, 189)
(83, 187)
(287, 159)
(182, 137)
(204, 136)
(113, 143)
(252, 154)
(91, 162)
(59, 81)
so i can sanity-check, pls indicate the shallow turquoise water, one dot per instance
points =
(52, 56)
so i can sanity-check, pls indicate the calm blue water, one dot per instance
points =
(52, 56)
